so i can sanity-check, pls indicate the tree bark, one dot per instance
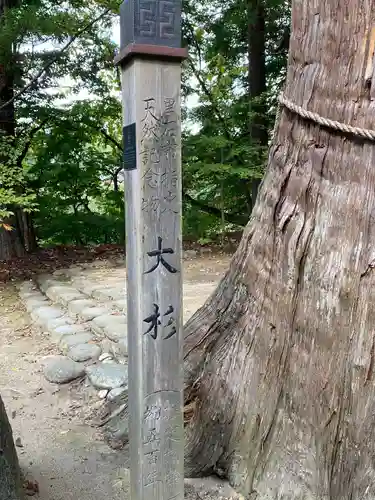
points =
(28, 232)
(10, 476)
(279, 363)
(7, 113)
(257, 86)
(12, 243)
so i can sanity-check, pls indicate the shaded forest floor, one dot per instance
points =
(50, 259)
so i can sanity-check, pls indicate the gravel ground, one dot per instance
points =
(64, 455)
(57, 448)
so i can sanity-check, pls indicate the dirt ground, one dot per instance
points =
(65, 455)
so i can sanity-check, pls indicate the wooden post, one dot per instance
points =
(150, 58)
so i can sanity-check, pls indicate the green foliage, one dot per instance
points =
(64, 161)
(74, 168)
(223, 158)
(14, 191)
(63, 155)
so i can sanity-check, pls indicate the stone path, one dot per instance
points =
(83, 312)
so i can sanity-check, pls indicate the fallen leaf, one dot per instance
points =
(31, 487)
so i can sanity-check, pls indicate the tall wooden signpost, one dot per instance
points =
(150, 58)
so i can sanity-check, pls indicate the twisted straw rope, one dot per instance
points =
(325, 122)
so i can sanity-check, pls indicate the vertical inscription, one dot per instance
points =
(154, 322)
(159, 153)
(162, 440)
(151, 446)
(160, 259)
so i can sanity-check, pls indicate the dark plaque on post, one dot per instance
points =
(130, 147)
(150, 58)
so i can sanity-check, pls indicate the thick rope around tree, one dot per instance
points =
(325, 122)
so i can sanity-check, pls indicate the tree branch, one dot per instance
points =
(211, 99)
(106, 135)
(193, 40)
(239, 220)
(48, 65)
(29, 141)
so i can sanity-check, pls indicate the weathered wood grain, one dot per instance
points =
(151, 99)
(280, 361)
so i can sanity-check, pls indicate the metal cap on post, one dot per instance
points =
(150, 59)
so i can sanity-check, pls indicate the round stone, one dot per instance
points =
(63, 294)
(69, 341)
(77, 306)
(84, 352)
(115, 331)
(116, 393)
(35, 303)
(60, 369)
(89, 289)
(107, 376)
(190, 254)
(59, 272)
(64, 330)
(107, 319)
(55, 323)
(44, 314)
(109, 360)
(90, 313)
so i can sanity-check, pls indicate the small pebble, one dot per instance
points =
(103, 394)
(104, 356)
(18, 443)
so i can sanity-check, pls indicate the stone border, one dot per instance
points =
(81, 346)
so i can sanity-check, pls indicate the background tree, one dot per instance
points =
(279, 361)
(237, 63)
(62, 53)
(39, 47)
(12, 195)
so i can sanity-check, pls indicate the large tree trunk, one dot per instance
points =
(12, 243)
(280, 360)
(10, 476)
